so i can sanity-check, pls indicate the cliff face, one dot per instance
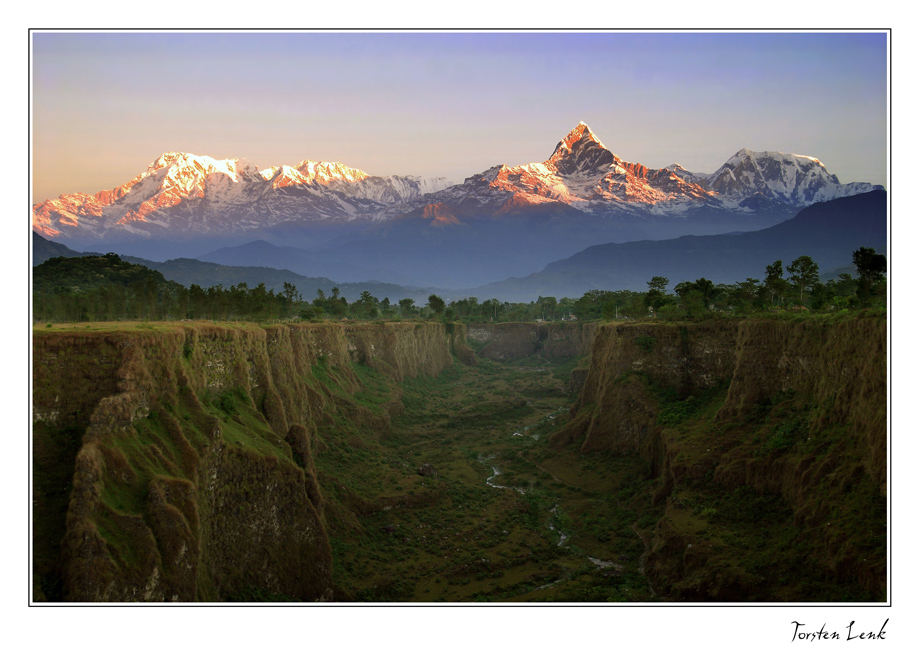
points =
(767, 435)
(177, 464)
(510, 341)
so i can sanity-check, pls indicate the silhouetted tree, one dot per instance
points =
(871, 268)
(655, 297)
(774, 283)
(436, 304)
(547, 306)
(406, 307)
(803, 272)
(366, 306)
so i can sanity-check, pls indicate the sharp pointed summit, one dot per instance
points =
(581, 151)
(581, 131)
(187, 195)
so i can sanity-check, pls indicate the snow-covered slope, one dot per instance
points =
(181, 194)
(788, 178)
(184, 193)
(582, 173)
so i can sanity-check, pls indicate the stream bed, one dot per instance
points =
(465, 499)
(553, 523)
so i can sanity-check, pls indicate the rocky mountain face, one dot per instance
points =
(581, 173)
(787, 178)
(508, 221)
(181, 194)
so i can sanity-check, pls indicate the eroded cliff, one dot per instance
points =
(554, 341)
(769, 441)
(176, 462)
(212, 462)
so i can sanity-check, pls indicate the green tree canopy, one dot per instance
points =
(774, 284)
(871, 268)
(655, 297)
(436, 304)
(869, 265)
(803, 272)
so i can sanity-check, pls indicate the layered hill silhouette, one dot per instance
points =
(189, 271)
(828, 232)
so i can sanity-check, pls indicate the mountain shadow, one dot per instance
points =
(828, 232)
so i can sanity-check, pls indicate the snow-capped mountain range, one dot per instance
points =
(792, 178)
(581, 173)
(187, 194)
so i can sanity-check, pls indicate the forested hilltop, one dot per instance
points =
(106, 288)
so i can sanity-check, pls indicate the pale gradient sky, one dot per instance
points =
(105, 105)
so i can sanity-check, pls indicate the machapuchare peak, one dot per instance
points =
(580, 150)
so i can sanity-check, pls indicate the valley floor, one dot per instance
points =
(462, 500)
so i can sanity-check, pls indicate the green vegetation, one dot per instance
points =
(96, 288)
(412, 518)
(674, 409)
(801, 292)
(645, 342)
(454, 487)
(772, 478)
(106, 288)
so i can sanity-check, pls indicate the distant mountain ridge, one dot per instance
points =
(43, 249)
(828, 232)
(188, 271)
(325, 219)
(182, 194)
(790, 178)
(581, 173)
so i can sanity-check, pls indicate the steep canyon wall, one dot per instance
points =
(176, 463)
(789, 416)
(554, 341)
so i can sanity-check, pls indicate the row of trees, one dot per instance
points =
(115, 302)
(106, 288)
(367, 306)
(795, 286)
(468, 309)
(102, 288)
(800, 289)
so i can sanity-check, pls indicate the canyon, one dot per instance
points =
(725, 460)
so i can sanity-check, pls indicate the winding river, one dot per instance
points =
(553, 523)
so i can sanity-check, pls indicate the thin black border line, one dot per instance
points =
(890, 91)
(31, 572)
(464, 30)
(890, 442)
